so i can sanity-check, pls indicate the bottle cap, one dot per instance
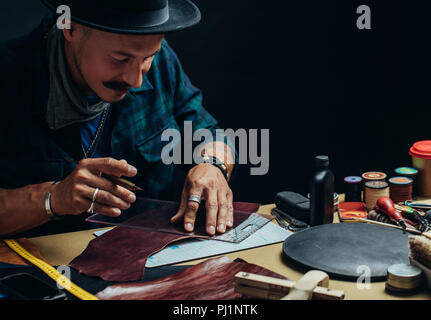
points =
(322, 161)
(421, 149)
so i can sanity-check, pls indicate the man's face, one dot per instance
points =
(109, 64)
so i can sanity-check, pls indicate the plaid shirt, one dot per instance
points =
(32, 153)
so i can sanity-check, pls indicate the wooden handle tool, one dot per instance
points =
(265, 287)
(303, 288)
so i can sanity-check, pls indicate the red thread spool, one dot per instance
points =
(401, 189)
(372, 176)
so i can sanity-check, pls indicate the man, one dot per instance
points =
(101, 92)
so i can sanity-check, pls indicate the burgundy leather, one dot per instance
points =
(158, 218)
(212, 279)
(120, 255)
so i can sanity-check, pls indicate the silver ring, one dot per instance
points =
(194, 199)
(95, 195)
(91, 209)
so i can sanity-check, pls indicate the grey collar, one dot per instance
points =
(66, 104)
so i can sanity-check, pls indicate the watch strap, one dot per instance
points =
(216, 162)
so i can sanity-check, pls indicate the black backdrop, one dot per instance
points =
(302, 69)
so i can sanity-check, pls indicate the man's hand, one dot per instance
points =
(207, 182)
(74, 194)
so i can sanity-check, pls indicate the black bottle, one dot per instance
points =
(322, 193)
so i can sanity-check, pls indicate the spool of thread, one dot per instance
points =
(353, 189)
(401, 189)
(411, 173)
(373, 191)
(372, 176)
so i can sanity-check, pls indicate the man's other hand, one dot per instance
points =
(208, 183)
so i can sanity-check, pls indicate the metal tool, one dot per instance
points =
(417, 215)
(294, 224)
(383, 224)
(418, 205)
(279, 219)
(119, 181)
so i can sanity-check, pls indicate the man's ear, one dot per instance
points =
(69, 33)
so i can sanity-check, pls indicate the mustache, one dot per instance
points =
(117, 85)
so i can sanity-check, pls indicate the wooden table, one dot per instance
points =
(60, 249)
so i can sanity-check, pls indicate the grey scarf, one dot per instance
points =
(66, 104)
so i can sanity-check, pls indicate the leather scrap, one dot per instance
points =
(154, 215)
(7, 255)
(212, 279)
(120, 255)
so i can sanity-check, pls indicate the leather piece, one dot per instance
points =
(212, 279)
(7, 255)
(120, 255)
(159, 217)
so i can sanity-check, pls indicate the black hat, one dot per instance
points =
(131, 17)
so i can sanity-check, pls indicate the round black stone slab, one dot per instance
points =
(339, 249)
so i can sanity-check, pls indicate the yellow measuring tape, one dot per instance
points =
(51, 272)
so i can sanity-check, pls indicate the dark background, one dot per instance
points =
(302, 69)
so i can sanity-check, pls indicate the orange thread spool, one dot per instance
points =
(401, 189)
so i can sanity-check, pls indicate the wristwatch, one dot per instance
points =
(216, 162)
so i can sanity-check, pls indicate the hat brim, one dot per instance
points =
(182, 14)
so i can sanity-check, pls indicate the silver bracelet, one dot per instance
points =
(48, 209)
